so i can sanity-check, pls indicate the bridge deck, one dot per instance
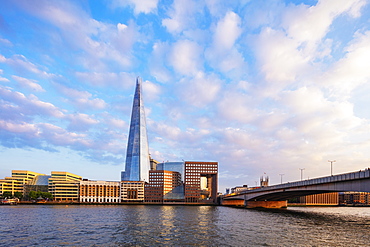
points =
(363, 174)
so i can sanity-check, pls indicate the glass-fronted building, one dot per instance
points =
(173, 166)
(137, 158)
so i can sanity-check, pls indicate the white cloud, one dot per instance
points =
(22, 65)
(158, 62)
(185, 57)
(26, 128)
(6, 42)
(121, 80)
(201, 90)
(180, 16)
(2, 59)
(227, 31)
(82, 99)
(140, 6)
(222, 54)
(309, 24)
(352, 70)
(117, 123)
(59, 136)
(151, 91)
(29, 84)
(2, 78)
(30, 105)
(98, 41)
(279, 58)
(237, 107)
(81, 122)
(124, 37)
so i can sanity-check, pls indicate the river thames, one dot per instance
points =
(139, 225)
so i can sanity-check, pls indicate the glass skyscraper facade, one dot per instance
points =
(137, 157)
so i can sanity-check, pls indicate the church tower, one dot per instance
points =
(137, 156)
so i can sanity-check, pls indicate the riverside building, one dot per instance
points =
(132, 191)
(164, 186)
(324, 199)
(16, 181)
(99, 191)
(354, 198)
(201, 181)
(64, 186)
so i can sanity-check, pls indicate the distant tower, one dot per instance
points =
(137, 157)
(264, 181)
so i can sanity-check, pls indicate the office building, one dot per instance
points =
(137, 157)
(39, 183)
(16, 181)
(327, 199)
(64, 186)
(164, 186)
(173, 166)
(201, 181)
(354, 198)
(99, 191)
(153, 164)
(132, 191)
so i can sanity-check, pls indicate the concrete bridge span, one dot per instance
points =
(276, 196)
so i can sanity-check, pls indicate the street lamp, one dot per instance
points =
(281, 178)
(302, 169)
(331, 166)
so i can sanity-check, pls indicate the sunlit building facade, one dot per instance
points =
(16, 181)
(163, 186)
(64, 186)
(137, 157)
(327, 199)
(354, 198)
(173, 166)
(201, 181)
(99, 191)
(132, 191)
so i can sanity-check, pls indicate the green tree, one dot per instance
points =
(33, 195)
(19, 195)
(47, 195)
(7, 194)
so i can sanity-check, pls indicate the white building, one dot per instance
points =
(99, 191)
(132, 191)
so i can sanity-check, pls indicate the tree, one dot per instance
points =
(7, 194)
(33, 195)
(47, 195)
(19, 195)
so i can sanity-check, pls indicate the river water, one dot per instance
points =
(139, 225)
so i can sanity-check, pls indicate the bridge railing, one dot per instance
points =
(335, 178)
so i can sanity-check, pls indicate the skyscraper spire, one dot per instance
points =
(137, 157)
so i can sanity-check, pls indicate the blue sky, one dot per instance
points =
(262, 87)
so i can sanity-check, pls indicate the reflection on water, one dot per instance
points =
(140, 225)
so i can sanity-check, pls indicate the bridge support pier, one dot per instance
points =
(266, 204)
(235, 203)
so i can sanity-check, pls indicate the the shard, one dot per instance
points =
(137, 156)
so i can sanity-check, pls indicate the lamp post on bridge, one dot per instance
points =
(331, 166)
(302, 169)
(281, 178)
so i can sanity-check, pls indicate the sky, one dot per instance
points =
(266, 88)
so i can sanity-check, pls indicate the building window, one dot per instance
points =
(132, 194)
